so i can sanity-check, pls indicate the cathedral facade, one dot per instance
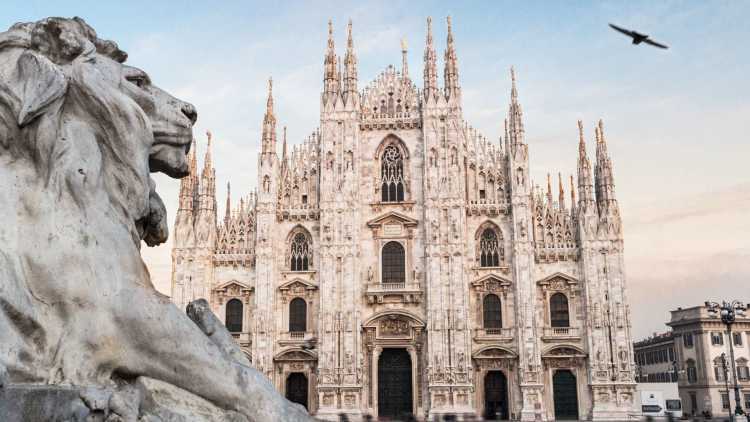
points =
(396, 261)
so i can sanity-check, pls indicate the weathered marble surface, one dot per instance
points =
(80, 132)
(146, 400)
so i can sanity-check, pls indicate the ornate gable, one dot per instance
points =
(233, 288)
(558, 281)
(392, 224)
(392, 217)
(298, 285)
(491, 283)
(563, 351)
(391, 101)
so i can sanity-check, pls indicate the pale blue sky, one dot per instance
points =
(678, 121)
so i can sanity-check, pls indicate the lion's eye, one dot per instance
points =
(138, 81)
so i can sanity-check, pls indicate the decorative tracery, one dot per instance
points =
(392, 175)
(300, 253)
(490, 252)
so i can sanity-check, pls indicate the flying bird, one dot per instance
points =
(637, 37)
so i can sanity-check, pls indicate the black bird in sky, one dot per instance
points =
(637, 37)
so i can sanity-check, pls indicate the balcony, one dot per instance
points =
(298, 212)
(561, 333)
(487, 207)
(393, 293)
(296, 338)
(243, 339)
(493, 335)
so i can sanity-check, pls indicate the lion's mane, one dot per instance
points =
(74, 182)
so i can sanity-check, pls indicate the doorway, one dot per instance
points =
(296, 388)
(495, 396)
(565, 394)
(394, 384)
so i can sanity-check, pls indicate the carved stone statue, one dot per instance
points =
(80, 132)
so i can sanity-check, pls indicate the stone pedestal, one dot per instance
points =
(147, 400)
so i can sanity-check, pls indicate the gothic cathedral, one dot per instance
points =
(397, 262)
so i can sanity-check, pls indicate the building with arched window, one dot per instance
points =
(396, 261)
(698, 354)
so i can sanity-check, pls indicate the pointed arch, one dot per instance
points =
(490, 250)
(300, 249)
(393, 157)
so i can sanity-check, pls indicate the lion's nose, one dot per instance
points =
(190, 111)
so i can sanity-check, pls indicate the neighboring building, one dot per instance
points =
(699, 341)
(397, 261)
(655, 359)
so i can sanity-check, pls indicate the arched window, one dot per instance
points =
(393, 263)
(392, 175)
(743, 372)
(300, 253)
(234, 316)
(493, 314)
(297, 315)
(490, 250)
(558, 310)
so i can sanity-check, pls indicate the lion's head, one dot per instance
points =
(87, 124)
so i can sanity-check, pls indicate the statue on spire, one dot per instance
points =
(268, 139)
(350, 67)
(330, 78)
(404, 63)
(450, 73)
(430, 66)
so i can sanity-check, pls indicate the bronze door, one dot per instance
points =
(565, 394)
(394, 384)
(495, 396)
(296, 388)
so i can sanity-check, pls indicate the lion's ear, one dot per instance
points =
(43, 83)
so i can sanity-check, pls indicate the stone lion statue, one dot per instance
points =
(80, 131)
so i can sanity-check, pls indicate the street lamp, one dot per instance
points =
(728, 311)
(725, 370)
